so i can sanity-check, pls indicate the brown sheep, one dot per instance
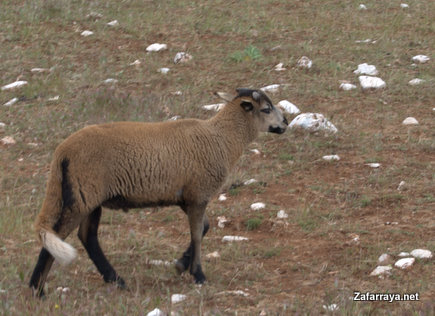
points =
(130, 165)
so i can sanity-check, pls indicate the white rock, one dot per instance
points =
(155, 262)
(55, 98)
(331, 308)
(2, 125)
(282, 214)
(279, 67)
(11, 102)
(222, 220)
(110, 80)
(39, 70)
(404, 5)
(410, 121)
(368, 40)
(177, 298)
(255, 151)
(14, 85)
(182, 57)
(234, 238)
(156, 312)
(416, 81)
(366, 69)
(381, 270)
(174, 118)
(362, 7)
(368, 82)
(401, 186)
(404, 263)
(420, 59)
(331, 157)
(421, 253)
(213, 255)
(135, 63)
(65, 290)
(257, 206)
(86, 33)
(404, 254)
(273, 88)
(384, 257)
(250, 181)
(177, 93)
(94, 15)
(163, 70)
(113, 23)
(8, 140)
(347, 86)
(213, 107)
(222, 197)
(288, 107)
(305, 62)
(312, 122)
(373, 164)
(156, 47)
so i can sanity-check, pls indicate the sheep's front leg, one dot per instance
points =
(183, 263)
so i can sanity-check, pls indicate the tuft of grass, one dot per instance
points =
(253, 223)
(250, 53)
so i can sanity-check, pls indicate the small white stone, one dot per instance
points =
(113, 23)
(39, 70)
(384, 258)
(182, 57)
(86, 33)
(135, 63)
(368, 40)
(368, 82)
(381, 270)
(279, 67)
(8, 140)
(401, 186)
(156, 312)
(250, 181)
(94, 15)
(421, 253)
(156, 47)
(65, 290)
(234, 238)
(214, 107)
(238, 292)
(305, 62)
(59, 289)
(163, 70)
(11, 102)
(222, 197)
(288, 107)
(312, 122)
(366, 69)
(222, 220)
(213, 255)
(55, 98)
(347, 86)
(416, 81)
(174, 118)
(404, 263)
(410, 121)
(178, 93)
(362, 7)
(177, 298)
(14, 85)
(404, 5)
(2, 125)
(273, 88)
(331, 308)
(403, 254)
(157, 262)
(373, 164)
(257, 206)
(420, 59)
(282, 214)
(255, 151)
(110, 80)
(331, 157)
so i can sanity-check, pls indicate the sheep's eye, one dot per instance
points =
(267, 110)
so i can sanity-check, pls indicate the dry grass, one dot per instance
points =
(293, 267)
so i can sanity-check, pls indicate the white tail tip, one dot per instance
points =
(63, 252)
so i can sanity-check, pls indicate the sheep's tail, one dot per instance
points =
(58, 196)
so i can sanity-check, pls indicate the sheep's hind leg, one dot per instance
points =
(184, 262)
(88, 236)
(39, 275)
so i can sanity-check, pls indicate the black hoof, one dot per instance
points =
(39, 293)
(113, 278)
(120, 283)
(199, 275)
(182, 264)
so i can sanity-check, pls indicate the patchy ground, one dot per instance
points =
(342, 215)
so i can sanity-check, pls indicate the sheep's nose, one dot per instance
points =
(285, 121)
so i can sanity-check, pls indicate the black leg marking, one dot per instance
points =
(88, 236)
(40, 272)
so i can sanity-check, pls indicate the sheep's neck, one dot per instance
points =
(237, 132)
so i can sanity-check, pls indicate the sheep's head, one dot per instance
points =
(257, 104)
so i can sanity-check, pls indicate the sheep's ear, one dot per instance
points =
(246, 105)
(224, 96)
